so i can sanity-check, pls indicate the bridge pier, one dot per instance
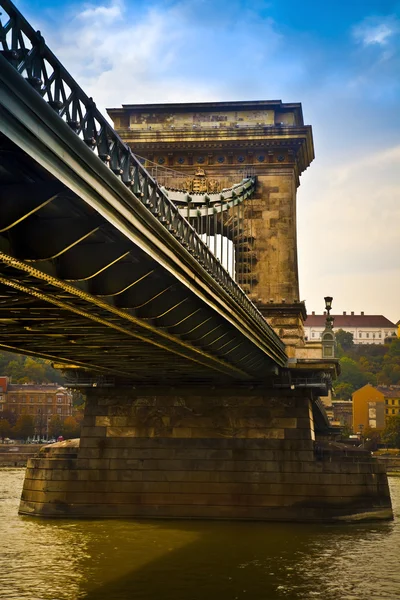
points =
(213, 456)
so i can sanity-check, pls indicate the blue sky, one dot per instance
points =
(340, 59)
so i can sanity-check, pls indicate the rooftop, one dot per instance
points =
(241, 105)
(33, 387)
(350, 320)
(391, 391)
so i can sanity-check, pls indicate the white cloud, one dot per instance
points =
(109, 13)
(378, 34)
(167, 52)
(377, 31)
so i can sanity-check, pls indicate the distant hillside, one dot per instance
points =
(26, 369)
(369, 363)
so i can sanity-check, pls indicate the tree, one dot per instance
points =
(9, 416)
(14, 369)
(391, 433)
(5, 429)
(372, 438)
(55, 426)
(34, 371)
(352, 375)
(346, 431)
(24, 427)
(390, 371)
(71, 428)
(343, 390)
(24, 369)
(344, 339)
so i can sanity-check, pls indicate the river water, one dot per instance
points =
(165, 560)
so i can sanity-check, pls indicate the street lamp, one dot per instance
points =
(328, 338)
(328, 304)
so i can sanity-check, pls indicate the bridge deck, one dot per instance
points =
(92, 277)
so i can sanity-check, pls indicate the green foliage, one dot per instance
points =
(26, 369)
(371, 438)
(9, 416)
(343, 390)
(390, 373)
(24, 427)
(351, 377)
(71, 428)
(376, 364)
(344, 340)
(391, 433)
(55, 426)
(346, 431)
(68, 428)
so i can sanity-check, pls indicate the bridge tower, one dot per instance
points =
(229, 140)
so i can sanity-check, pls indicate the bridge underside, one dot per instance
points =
(76, 290)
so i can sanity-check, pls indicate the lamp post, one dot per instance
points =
(328, 338)
(361, 427)
(40, 419)
(328, 303)
(328, 307)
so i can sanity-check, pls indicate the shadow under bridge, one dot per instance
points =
(99, 272)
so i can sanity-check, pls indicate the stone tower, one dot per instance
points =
(229, 140)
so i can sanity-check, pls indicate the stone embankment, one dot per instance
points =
(390, 460)
(16, 455)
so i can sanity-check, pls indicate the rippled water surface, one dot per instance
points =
(124, 560)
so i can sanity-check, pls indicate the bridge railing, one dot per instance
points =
(25, 49)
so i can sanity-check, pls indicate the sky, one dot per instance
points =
(340, 59)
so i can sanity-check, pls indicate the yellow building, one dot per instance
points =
(392, 401)
(373, 405)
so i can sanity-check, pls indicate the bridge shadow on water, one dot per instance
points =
(218, 560)
(196, 560)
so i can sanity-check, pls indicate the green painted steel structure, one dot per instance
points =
(99, 270)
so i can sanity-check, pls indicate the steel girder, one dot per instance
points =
(93, 277)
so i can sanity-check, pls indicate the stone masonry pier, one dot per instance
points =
(211, 456)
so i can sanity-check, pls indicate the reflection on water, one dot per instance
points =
(193, 560)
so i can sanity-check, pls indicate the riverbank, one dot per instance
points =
(16, 455)
(391, 460)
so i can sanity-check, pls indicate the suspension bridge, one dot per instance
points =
(155, 263)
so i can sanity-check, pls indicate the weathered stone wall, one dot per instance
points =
(16, 455)
(274, 226)
(230, 140)
(200, 457)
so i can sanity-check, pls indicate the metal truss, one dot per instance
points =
(25, 49)
(99, 270)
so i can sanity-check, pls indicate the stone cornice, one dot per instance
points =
(298, 140)
(221, 126)
(221, 135)
(188, 107)
(283, 309)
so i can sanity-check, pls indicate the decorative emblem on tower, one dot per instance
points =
(200, 184)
